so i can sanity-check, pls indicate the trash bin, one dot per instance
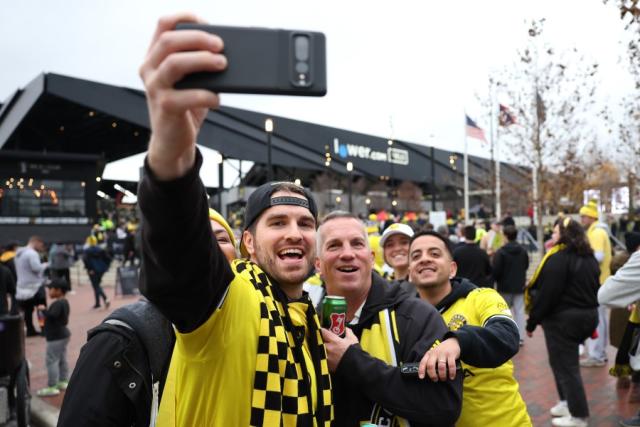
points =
(12, 343)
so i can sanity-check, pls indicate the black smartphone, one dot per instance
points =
(265, 61)
(409, 369)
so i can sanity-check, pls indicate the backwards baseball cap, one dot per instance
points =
(260, 200)
(396, 228)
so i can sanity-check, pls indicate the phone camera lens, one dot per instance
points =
(301, 44)
(302, 67)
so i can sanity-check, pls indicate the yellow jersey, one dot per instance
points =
(211, 376)
(490, 396)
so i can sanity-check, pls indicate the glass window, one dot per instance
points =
(29, 197)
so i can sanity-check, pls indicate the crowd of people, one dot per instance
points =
(229, 333)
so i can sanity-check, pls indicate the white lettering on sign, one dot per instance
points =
(392, 155)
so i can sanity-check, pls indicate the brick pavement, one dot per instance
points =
(607, 405)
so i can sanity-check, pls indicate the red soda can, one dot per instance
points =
(334, 314)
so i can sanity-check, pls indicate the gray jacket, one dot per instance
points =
(623, 288)
(60, 257)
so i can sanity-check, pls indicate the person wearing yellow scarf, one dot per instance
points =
(565, 304)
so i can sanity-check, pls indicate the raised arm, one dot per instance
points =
(183, 270)
(176, 115)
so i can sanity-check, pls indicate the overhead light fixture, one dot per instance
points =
(349, 166)
(123, 190)
(268, 125)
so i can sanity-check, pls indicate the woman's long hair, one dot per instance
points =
(573, 235)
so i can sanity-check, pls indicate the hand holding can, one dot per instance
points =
(334, 314)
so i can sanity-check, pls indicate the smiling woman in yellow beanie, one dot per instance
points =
(223, 234)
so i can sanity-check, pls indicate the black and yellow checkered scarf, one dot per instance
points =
(281, 391)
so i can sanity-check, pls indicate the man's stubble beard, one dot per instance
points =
(267, 261)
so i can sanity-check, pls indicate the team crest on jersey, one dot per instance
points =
(502, 306)
(456, 322)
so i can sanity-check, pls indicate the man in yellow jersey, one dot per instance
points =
(599, 240)
(248, 345)
(387, 327)
(482, 334)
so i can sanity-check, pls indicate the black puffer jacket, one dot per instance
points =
(567, 280)
(365, 386)
(113, 381)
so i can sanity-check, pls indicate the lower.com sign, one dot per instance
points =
(392, 155)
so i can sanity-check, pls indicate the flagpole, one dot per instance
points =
(495, 141)
(466, 173)
(492, 138)
(498, 202)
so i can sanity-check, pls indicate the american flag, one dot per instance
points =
(474, 131)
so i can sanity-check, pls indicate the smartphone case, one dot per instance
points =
(261, 61)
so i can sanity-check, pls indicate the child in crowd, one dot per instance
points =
(56, 318)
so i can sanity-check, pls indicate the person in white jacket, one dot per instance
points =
(623, 289)
(30, 272)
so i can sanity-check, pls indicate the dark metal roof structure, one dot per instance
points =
(56, 113)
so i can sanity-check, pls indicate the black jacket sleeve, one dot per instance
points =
(93, 397)
(55, 311)
(421, 402)
(488, 346)
(551, 285)
(184, 272)
(487, 267)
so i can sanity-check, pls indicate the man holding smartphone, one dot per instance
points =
(248, 345)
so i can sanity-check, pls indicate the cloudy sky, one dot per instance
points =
(406, 69)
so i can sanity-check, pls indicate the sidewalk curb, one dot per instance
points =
(43, 414)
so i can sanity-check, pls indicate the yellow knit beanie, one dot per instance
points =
(215, 216)
(590, 209)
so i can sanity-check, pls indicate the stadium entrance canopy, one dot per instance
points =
(65, 115)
